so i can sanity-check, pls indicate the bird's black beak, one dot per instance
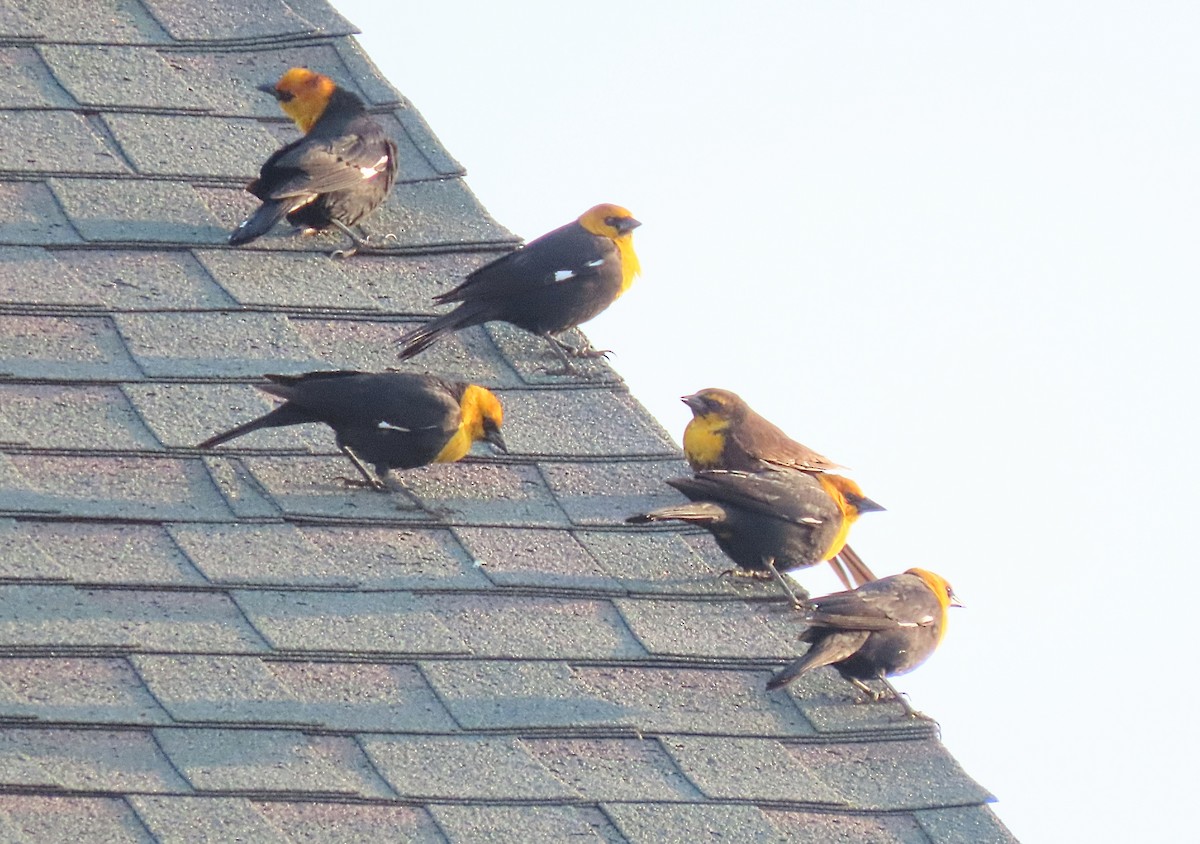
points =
(496, 440)
(694, 402)
(269, 89)
(866, 505)
(627, 224)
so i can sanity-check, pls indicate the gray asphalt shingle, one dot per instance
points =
(108, 76)
(270, 762)
(104, 820)
(54, 142)
(234, 646)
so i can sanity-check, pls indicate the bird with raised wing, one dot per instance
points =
(335, 175)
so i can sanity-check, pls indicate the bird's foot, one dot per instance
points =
(362, 483)
(743, 574)
(590, 353)
(565, 369)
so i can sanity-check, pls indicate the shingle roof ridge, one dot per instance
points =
(225, 641)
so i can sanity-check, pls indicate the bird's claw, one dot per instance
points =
(589, 353)
(361, 483)
(743, 573)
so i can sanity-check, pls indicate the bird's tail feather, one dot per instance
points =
(854, 564)
(260, 222)
(698, 512)
(420, 339)
(789, 673)
(285, 414)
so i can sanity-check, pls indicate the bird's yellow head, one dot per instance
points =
(723, 404)
(617, 224)
(480, 418)
(608, 220)
(713, 411)
(303, 95)
(940, 588)
(938, 585)
(849, 496)
(484, 415)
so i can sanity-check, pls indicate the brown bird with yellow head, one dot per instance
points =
(881, 629)
(726, 433)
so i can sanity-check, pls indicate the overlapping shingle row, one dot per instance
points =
(229, 645)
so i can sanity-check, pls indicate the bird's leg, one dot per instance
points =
(368, 480)
(397, 487)
(557, 348)
(787, 587)
(359, 242)
(886, 693)
(588, 352)
(387, 482)
(871, 694)
(744, 573)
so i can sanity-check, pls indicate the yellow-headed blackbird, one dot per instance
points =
(765, 520)
(337, 173)
(726, 433)
(880, 629)
(553, 283)
(391, 420)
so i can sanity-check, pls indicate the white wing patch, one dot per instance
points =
(375, 169)
(563, 275)
(387, 426)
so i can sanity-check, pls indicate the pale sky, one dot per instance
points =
(950, 246)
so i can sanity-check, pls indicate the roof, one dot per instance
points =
(210, 646)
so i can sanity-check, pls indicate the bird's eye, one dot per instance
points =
(284, 96)
(612, 221)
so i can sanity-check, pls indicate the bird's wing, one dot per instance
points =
(764, 440)
(567, 255)
(794, 497)
(312, 166)
(888, 604)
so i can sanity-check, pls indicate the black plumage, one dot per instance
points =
(782, 518)
(558, 281)
(391, 420)
(335, 175)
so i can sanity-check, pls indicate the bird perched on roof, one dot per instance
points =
(766, 521)
(392, 420)
(335, 175)
(726, 433)
(553, 283)
(881, 629)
